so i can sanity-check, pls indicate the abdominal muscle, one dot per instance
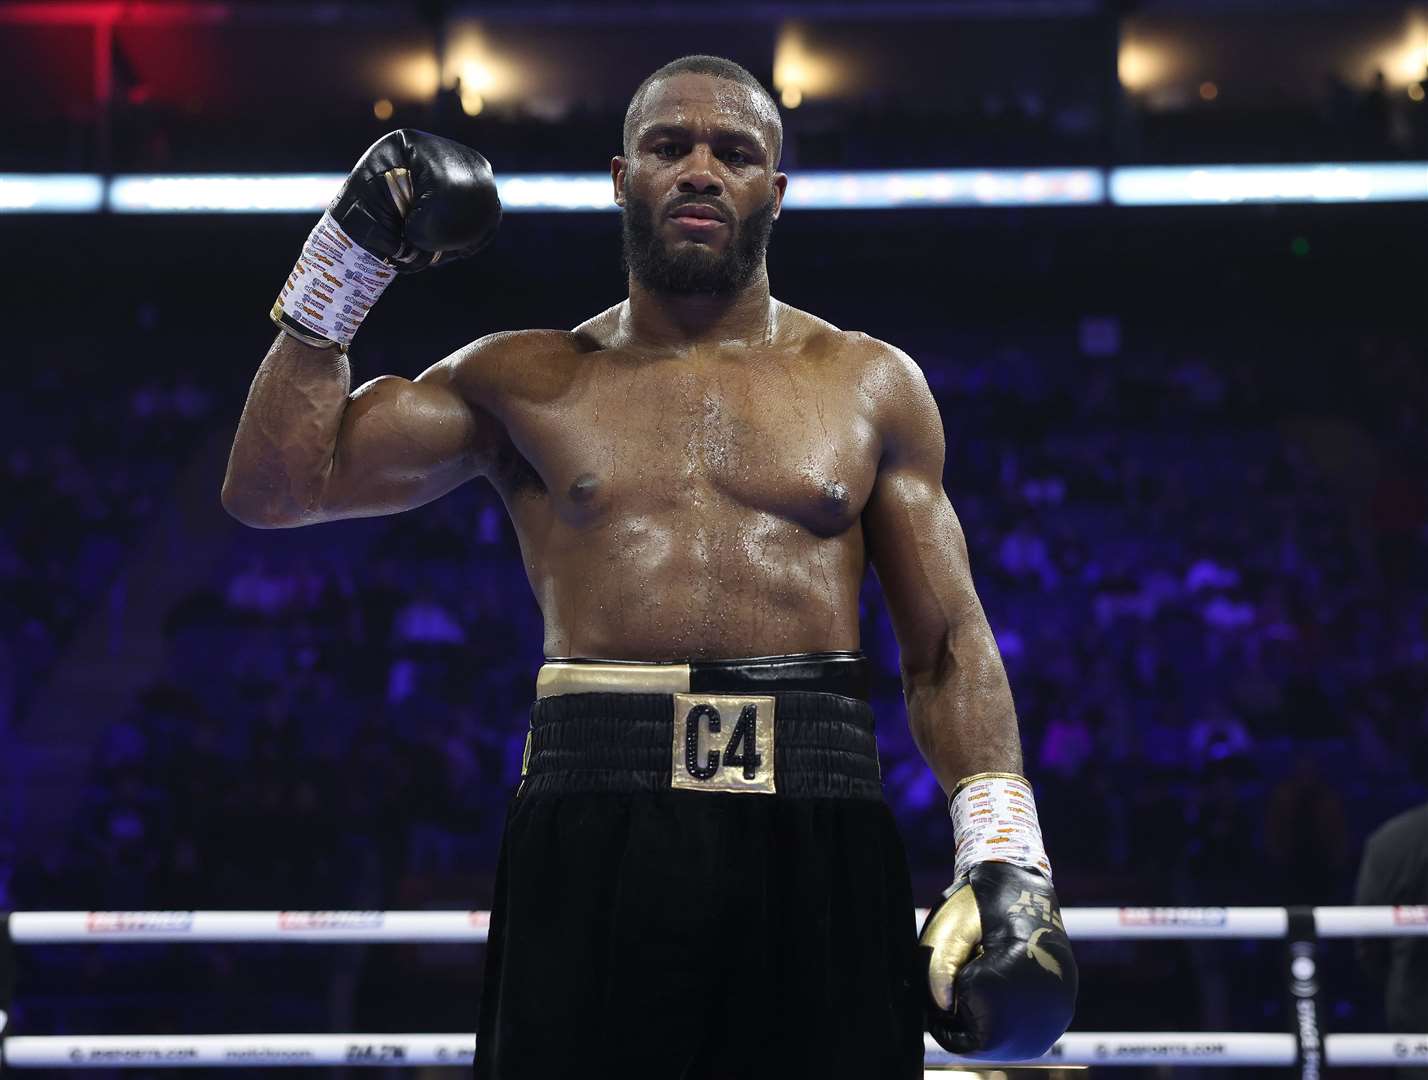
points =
(690, 586)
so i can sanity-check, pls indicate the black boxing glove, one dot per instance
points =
(1000, 971)
(412, 199)
(1001, 977)
(415, 198)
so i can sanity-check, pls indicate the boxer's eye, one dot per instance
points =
(668, 151)
(735, 157)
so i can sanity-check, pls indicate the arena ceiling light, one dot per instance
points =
(1219, 185)
(58, 193)
(863, 190)
(555, 191)
(222, 194)
(910, 188)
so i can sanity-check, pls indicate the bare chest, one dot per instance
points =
(647, 438)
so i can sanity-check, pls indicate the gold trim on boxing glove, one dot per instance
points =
(307, 339)
(399, 186)
(986, 776)
(1048, 962)
(954, 934)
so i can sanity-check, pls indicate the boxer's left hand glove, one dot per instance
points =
(999, 967)
(1001, 978)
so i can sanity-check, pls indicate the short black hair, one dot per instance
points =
(720, 68)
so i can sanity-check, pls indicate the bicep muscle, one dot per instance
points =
(404, 443)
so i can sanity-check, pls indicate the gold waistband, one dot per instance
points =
(563, 677)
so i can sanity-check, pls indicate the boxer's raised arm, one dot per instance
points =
(958, 700)
(307, 451)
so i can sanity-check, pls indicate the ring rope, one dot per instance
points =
(330, 927)
(1074, 1048)
(1216, 1048)
(1085, 924)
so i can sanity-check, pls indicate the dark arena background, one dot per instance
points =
(1164, 267)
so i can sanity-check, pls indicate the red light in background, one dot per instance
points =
(128, 14)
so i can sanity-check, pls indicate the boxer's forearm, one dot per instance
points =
(411, 199)
(287, 434)
(961, 709)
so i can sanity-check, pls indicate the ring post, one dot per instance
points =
(1304, 992)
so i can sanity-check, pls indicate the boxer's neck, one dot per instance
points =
(665, 321)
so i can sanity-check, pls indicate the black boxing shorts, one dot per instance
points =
(699, 878)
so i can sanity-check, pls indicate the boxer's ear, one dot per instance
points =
(618, 165)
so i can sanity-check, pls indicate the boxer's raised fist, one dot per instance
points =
(415, 198)
(1001, 978)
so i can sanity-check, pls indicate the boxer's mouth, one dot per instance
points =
(697, 216)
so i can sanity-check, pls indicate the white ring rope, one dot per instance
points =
(336, 927)
(332, 927)
(1214, 1048)
(1340, 922)
(1115, 924)
(234, 1051)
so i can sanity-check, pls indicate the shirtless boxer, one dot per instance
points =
(698, 876)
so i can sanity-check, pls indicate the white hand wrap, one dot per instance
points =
(994, 820)
(332, 287)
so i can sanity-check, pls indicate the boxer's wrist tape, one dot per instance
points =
(332, 287)
(994, 820)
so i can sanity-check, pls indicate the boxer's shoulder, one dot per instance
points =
(893, 390)
(523, 363)
(523, 349)
(882, 372)
(601, 331)
(821, 339)
(880, 359)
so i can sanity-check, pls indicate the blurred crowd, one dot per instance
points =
(91, 450)
(1202, 559)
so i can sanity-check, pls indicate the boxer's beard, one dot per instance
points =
(693, 268)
